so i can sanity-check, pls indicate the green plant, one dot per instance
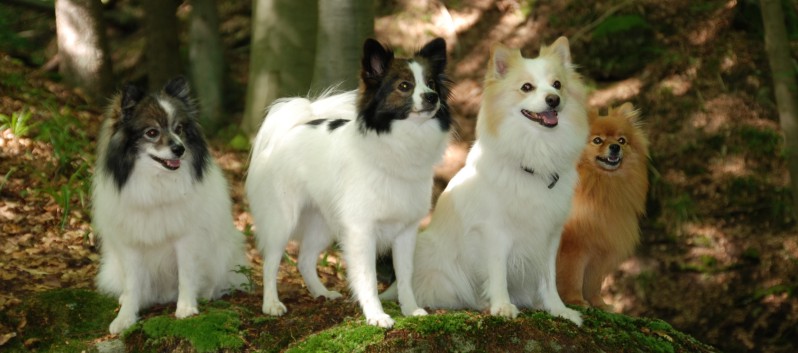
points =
(247, 272)
(17, 123)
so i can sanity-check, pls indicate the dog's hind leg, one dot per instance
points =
(315, 237)
(275, 225)
(403, 248)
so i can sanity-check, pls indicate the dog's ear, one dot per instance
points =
(628, 111)
(178, 87)
(376, 59)
(560, 48)
(131, 96)
(435, 52)
(501, 58)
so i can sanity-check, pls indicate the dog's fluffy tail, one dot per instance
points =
(286, 113)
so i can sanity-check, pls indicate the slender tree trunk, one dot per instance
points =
(282, 54)
(162, 52)
(83, 47)
(207, 62)
(777, 46)
(343, 27)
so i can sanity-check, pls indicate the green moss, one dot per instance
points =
(63, 320)
(348, 337)
(212, 330)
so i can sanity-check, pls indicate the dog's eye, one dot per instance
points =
(152, 133)
(527, 87)
(431, 83)
(556, 85)
(405, 86)
(597, 140)
(622, 141)
(179, 129)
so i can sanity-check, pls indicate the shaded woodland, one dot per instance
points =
(719, 253)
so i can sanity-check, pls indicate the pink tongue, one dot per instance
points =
(549, 117)
(173, 163)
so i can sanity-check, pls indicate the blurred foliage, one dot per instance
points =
(620, 46)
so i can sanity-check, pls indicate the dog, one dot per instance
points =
(602, 229)
(493, 237)
(161, 207)
(356, 167)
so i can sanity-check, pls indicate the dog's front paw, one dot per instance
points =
(274, 308)
(414, 311)
(185, 310)
(121, 322)
(330, 295)
(569, 314)
(381, 320)
(504, 309)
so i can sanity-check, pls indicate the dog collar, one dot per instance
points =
(554, 177)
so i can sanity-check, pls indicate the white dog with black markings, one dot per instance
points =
(355, 167)
(161, 207)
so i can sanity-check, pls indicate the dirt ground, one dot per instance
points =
(719, 252)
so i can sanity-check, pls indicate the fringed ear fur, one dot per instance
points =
(376, 59)
(178, 87)
(501, 58)
(560, 48)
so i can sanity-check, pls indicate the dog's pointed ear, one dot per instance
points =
(435, 52)
(628, 111)
(376, 59)
(131, 96)
(178, 87)
(560, 48)
(501, 58)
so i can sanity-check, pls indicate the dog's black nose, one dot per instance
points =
(177, 150)
(615, 148)
(430, 98)
(553, 100)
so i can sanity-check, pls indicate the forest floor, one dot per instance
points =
(719, 252)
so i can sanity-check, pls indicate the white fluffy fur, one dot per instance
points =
(493, 238)
(367, 191)
(164, 236)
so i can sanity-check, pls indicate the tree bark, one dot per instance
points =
(282, 55)
(85, 61)
(777, 46)
(207, 62)
(162, 53)
(343, 27)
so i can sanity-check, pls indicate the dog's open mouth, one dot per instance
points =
(610, 162)
(547, 118)
(171, 164)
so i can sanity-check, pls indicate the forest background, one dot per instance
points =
(719, 252)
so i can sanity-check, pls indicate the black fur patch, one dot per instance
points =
(316, 122)
(334, 124)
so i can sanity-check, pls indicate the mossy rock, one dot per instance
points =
(532, 331)
(216, 329)
(62, 320)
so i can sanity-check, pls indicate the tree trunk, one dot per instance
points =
(777, 46)
(162, 52)
(83, 47)
(207, 62)
(343, 27)
(282, 55)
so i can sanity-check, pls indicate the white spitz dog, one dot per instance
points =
(493, 238)
(355, 167)
(161, 207)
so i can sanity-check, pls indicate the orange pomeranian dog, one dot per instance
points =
(602, 229)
